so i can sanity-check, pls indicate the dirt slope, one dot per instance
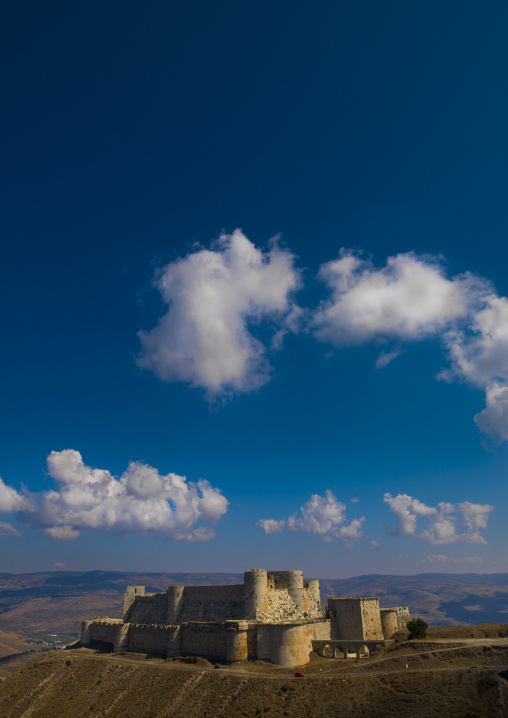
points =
(11, 643)
(74, 687)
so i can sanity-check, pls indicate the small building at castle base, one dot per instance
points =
(273, 616)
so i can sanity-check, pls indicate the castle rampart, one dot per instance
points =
(273, 616)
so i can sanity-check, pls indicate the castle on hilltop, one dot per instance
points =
(273, 616)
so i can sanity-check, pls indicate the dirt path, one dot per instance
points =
(355, 670)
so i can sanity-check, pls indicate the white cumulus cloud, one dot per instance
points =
(411, 299)
(216, 297)
(479, 354)
(139, 500)
(320, 515)
(443, 522)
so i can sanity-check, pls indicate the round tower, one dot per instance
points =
(314, 598)
(255, 592)
(175, 600)
(389, 622)
(290, 645)
(294, 585)
(236, 643)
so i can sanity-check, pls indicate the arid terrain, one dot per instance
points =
(421, 679)
(459, 671)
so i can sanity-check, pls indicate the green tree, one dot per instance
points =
(417, 628)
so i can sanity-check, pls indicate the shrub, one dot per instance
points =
(417, 628)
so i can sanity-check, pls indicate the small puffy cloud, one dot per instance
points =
(271, 526)
(351, 531)
(443, 520)
(375, 543)
(473, 559)
(8, 530)
(58, 564)
(319, 516)
(216, 297)
(440, 558)
(140, 500)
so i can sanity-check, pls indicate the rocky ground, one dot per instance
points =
(417, 679)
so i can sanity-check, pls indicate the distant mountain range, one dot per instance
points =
(39, 604)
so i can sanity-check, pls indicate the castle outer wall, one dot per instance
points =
(271, 616)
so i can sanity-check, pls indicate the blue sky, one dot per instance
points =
(199, 167)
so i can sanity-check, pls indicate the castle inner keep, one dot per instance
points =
(273, 616)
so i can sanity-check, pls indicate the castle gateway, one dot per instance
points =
(273, 616)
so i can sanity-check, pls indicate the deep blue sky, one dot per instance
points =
(131, 132)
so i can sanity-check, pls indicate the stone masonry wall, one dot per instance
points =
(346, 619)
(321, 629)
(101, 631)
(149, 609)
(371, 617)
(211, 603)
(262, 600)
(281, 607)
(402, 617)
(149, 639)
(354, 619)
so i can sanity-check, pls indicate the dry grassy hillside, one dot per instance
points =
(11, 643)
(482, 630)
(15, 652)
(75, 687)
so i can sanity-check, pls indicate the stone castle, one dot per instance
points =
(273, 616)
